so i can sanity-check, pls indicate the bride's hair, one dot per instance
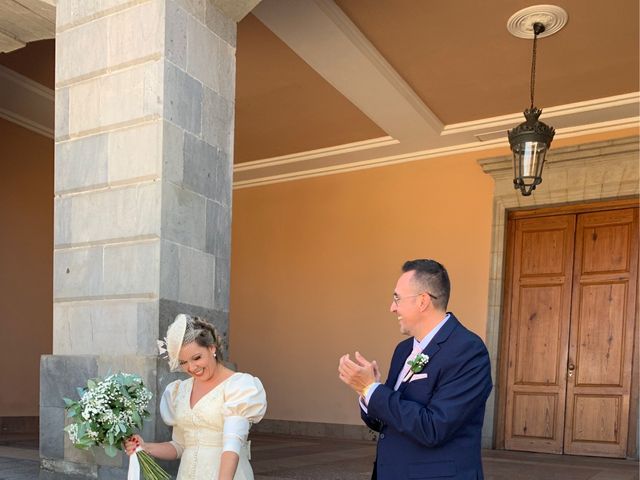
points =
(203, 333)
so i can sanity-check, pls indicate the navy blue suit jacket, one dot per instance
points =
(431, 427)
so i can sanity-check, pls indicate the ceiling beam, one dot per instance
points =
(325, 38)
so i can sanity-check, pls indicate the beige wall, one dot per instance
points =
(26, 265)
(314, 263)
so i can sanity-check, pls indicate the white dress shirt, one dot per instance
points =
(418, 347)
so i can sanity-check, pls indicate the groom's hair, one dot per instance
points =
(433, 278)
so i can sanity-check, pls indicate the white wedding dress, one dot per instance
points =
(218, 422)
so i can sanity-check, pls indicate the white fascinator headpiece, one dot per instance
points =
(170, 347)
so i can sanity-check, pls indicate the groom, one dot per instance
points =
(430, 410)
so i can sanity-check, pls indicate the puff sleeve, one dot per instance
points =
(168, 414)
(245, 403)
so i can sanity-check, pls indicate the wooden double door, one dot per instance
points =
(570, 314)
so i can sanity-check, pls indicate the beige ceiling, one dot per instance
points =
(283, 105)
(463, 63)
(327, 86)
(418, 77)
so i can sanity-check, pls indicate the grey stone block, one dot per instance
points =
(112, 473)
(203, 66)
(121, 213)
(61, 374)
(221, 25)
(218, 229)
(81, 164)
(52, 475)
(124, 96)
(77, 272)
(221, 283)
(200, 166)
(217, 120)
(135, 153)
(196, 8)
(176, 34)
(71, 58)
(105, 328)
(62, 113)
(224, 178)
(61, 221)
(182, 99)
(51, 433)
(226, 72)
(132, 269)
(184, 216)
(52, 469)
(186, 275)
(76, 10)
(127, 44)
(147, 324)
(172, 152)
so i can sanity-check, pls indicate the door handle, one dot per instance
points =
(571, 369)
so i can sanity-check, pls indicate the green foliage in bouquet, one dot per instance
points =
(109, 411)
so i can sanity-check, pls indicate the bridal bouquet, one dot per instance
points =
(107, 413)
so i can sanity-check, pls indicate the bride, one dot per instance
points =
(210, 412)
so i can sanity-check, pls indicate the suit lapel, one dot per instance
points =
(434, 345)
(397, 362)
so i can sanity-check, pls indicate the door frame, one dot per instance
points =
(577, 173)
(503, 354)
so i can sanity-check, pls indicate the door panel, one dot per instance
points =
(538, 333)
(602, 333)
(600, 353)
(540, 408)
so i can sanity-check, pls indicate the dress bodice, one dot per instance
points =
(218, 422)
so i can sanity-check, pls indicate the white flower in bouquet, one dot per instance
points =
(108, 412)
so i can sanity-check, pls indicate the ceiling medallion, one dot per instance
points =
(520, 24)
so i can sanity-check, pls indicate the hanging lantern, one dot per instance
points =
(530, 141)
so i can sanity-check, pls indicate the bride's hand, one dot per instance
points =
(132, 443)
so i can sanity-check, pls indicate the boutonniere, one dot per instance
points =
(416, 365)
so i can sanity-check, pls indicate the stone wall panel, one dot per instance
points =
(203, 67)
(135, 153)
(176, 34)
(123, 97)
(81, 164)
(187, 275)
(184, 216)
(218, 220)
(182, 99)
(77, 273)
(200, 166)
(81, 327)
(217, 121)
(105, 215)
(132, 269)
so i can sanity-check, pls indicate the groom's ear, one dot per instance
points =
(425, 300)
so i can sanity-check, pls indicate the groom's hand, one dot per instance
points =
(358, 374)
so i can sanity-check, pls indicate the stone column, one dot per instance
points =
(143, 163)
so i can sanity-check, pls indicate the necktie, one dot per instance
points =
(405, 369)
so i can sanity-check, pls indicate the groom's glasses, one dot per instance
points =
(397, 298)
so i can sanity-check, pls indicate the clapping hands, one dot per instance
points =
(359, 373)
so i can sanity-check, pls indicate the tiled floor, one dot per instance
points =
(303, 458)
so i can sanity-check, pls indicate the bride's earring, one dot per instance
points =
(214, 354)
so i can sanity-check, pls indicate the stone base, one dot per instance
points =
(60, 375)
